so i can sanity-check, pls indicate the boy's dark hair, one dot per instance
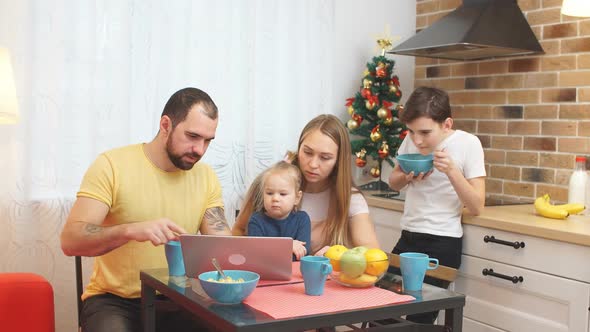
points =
(183, 100)
(427, 102)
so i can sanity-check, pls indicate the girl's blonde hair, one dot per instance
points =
(336, 230)
(255, 193)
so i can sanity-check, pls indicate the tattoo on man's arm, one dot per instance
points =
(92, 228)
(215, 218)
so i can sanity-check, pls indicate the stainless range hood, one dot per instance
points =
(476, 30)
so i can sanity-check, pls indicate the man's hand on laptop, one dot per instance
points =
(299, 249)
(158, 231)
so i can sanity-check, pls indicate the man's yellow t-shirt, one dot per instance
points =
(136, 190)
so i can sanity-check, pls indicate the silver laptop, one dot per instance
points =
(271, 257)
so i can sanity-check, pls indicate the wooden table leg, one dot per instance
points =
(148, 308)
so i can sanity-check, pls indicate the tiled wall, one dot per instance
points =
(532, 114)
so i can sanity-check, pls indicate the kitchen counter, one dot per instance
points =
(514, 218)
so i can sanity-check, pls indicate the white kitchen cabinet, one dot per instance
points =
(552, 295)
(553, 257)
(386, 226)
(470, 325)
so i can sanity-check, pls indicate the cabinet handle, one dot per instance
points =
(514, 279)
(515, 244)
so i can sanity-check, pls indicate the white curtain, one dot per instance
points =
(94, 75)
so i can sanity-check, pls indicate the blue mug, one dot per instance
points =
(314, 270)
(413, 266)
(174, 258)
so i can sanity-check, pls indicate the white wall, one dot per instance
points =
(358, 24)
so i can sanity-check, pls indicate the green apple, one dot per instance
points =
(362, 249)
(353, 262)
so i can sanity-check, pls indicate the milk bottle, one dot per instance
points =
(577, 185)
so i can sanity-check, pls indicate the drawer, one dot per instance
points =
(549, 256)
(541, 302)
(470, 325)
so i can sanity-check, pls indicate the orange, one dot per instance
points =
(334, 253)
(377, 262)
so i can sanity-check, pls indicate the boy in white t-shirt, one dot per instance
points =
(431, 222)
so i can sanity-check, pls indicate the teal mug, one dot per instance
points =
(314, 270)
(413, 266)
(174, 258)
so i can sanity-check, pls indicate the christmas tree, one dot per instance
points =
(374, 126)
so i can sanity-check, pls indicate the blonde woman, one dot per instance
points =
(339, 213)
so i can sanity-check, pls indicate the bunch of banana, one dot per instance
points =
(546, 209)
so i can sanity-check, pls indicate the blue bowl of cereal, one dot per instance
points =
(237, 286)
(415, 162)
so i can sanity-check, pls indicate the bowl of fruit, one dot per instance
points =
(357, 267)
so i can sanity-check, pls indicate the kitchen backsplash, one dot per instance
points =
(532, 114)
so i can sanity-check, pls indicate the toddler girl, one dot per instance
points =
(276, 208)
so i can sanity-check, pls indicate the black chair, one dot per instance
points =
(79, 288)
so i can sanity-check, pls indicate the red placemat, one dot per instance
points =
(295, 277)
(286, 301)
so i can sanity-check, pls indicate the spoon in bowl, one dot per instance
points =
(218, 268)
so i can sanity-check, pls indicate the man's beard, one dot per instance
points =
(176, 159)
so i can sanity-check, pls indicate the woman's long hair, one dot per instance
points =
(336, 228)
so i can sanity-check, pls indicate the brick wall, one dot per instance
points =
(532, 114)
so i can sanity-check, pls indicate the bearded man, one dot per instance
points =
(135, 199)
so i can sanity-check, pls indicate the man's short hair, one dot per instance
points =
(182, 101)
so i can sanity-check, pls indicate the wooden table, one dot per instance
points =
(243, 318)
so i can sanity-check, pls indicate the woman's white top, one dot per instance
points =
(316, 205)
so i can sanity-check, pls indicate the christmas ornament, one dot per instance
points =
(367, 83)
(382, 113)
(375, 134)
(350, 110)
(357, 118)
(360, 162)
(371, 102)
(352, 125)
(380, 72)
(383, 151)
(375, 172)
(360, 158)
(388, 121)
(366, 93)
(403, 134)
(362, 153)
(392, 88)
(385, 44)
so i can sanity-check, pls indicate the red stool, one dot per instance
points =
(26, 303)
